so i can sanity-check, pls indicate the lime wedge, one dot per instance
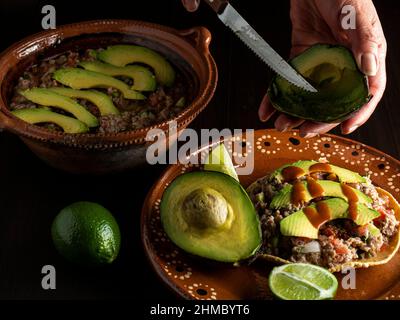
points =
(302, 281)
(219, 160)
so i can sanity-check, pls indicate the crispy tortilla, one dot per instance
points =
(381, 258)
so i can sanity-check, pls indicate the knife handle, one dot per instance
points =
(217, 5)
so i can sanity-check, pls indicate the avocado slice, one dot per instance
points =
(102, 101)
(299, 225)
(330, 188)
(122, 55)
(332, 70)
(143, 78)
(43, 115)
(84, 79)
(344, 175)
(219, 160)
(48, 98)
(209, 214)
(373, 230)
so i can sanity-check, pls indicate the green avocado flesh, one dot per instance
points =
(219, 160)
(332, 70)
(331, 189)
(344, 175)
(41, 115)
(48, 98)
(143, 79)
(122, 55)
(103, 102)
(84, 79)
(298, 224)
(210, 215)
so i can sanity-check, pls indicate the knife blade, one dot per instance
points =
(231, 18)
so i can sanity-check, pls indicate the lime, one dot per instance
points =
(302, 281)
(219, 160)
(86, 233)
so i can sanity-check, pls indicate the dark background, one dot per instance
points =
(31, 193)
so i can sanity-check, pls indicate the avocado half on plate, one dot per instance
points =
(325, 215)
(209, 214)
(306, 212)
(332, 70)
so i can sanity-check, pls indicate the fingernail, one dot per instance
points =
(191, 5)
(352, 129)
(369, 64)
(308, 135)
(263, 116)
(282, 128)
(281, 124)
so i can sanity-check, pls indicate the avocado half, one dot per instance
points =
(210, 215)
(332, 70)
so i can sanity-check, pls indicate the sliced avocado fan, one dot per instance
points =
(122, 55)
(48, 98)
(84, 79)
(42, 115)
(298, 224)
(344, 175)
(331, 189)
(143, 78)
(102, 101)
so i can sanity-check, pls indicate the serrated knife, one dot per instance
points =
(231, 18)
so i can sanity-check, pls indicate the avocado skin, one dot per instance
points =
(320, 106)
(241, 241)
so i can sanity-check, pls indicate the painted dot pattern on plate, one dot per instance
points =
(190, 276)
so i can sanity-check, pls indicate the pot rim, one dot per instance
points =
(197, 37)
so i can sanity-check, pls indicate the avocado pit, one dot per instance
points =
(205, 208)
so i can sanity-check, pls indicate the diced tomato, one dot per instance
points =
(341, 250)
(384, 212)
(384, 246)
(329, 232)
(362, 231)
(339, 247)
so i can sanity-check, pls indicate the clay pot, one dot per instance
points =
(187, 50)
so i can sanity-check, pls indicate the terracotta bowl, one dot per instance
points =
(195, 278)
(187, 50)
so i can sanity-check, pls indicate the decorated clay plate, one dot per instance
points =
(194, 278)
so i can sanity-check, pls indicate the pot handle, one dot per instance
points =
(199, 36)
(4, 122)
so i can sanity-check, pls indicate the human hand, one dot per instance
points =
(191, 5)
(318, 21)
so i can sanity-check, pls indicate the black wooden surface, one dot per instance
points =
(31, 193)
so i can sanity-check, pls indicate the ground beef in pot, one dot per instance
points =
(160, 105)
